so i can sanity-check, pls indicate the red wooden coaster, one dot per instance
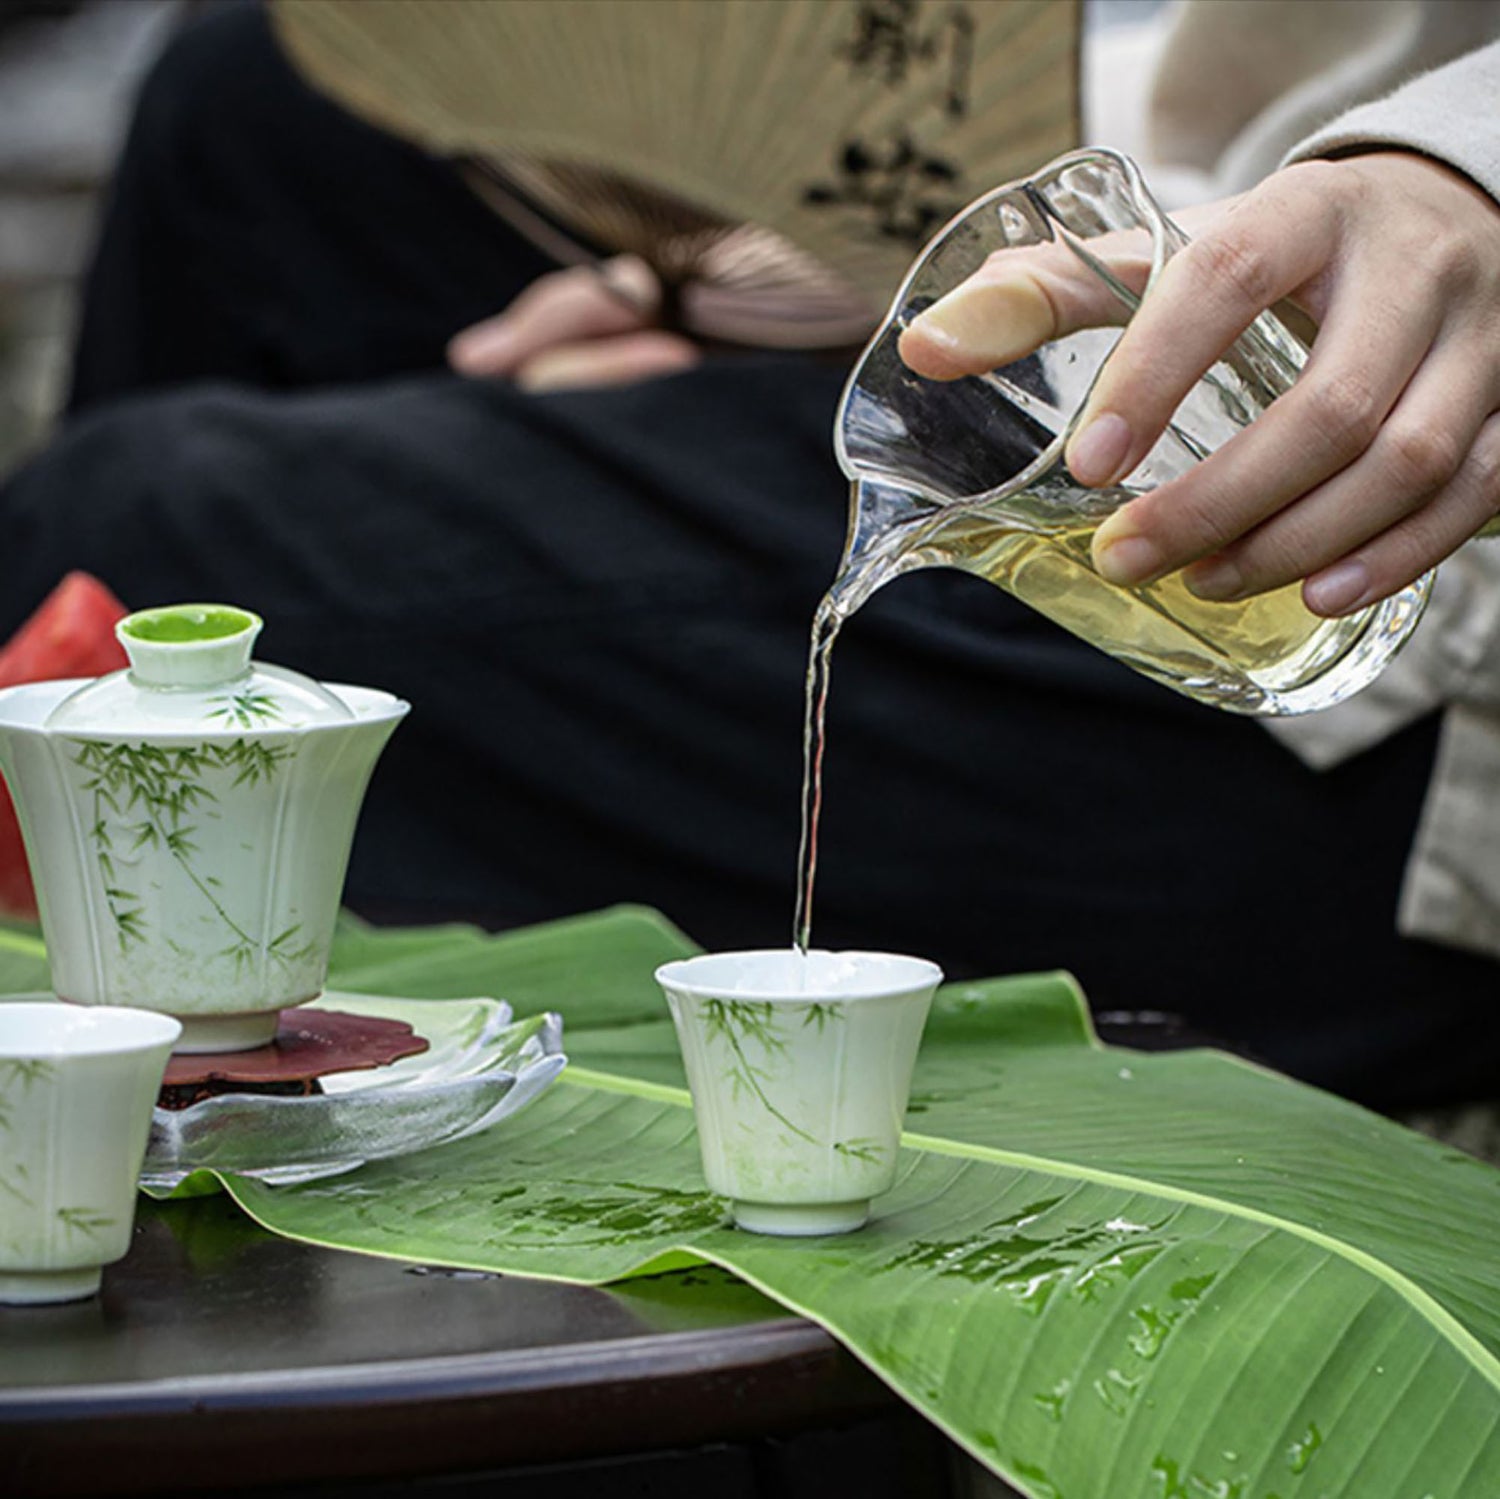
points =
(308, 1044)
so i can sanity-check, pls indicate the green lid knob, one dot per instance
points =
(188, 645)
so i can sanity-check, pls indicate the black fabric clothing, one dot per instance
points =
(598, 603)
(257, 232)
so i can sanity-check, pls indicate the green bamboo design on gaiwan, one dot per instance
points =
(249, 709)
(145, 793)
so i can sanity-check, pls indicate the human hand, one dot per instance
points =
(1382, 459)
(570, 330)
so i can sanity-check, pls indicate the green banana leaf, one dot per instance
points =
(23, 958)
(1106, 1274)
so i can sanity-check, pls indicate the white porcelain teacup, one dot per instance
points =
(800, 1066)
(77, 1086)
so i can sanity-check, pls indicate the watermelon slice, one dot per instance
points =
(72, 634)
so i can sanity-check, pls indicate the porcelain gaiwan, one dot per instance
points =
(188, 822)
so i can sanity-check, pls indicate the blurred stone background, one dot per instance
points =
(68, 73)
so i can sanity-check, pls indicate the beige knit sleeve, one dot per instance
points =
(1451, 113)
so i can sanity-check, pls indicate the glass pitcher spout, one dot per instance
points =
(969, 473)
(884, 519)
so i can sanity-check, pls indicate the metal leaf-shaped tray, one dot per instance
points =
(481, 1066)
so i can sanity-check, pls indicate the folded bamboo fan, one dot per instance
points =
(777, 162)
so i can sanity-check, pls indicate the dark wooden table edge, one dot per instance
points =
(431, 1416)
(457, 1376)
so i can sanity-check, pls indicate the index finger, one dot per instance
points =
(1268, 246)
(558, 308)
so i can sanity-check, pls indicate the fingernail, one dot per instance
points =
(986, 325)
(1122, 555)
(1097, 453)
(1218, 581)
(1338, 589)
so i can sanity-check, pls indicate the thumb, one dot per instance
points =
(1021, 298)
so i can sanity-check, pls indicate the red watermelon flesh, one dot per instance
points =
(72, 634)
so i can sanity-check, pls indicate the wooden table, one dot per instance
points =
(220, 1358)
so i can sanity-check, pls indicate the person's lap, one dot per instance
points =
(598, 603)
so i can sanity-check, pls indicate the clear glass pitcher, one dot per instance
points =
(969, 473)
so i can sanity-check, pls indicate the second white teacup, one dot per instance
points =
(800, 1067)
(77, 1086)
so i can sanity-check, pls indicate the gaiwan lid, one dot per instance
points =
(190, 671)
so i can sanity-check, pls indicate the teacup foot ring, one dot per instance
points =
(47, 1287)
(801, 1220)
(213, 1033)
